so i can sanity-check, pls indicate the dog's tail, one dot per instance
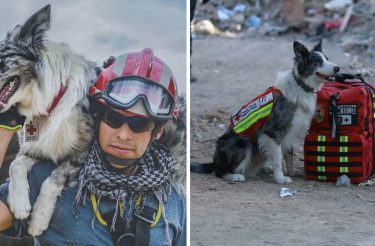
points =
(197, 167)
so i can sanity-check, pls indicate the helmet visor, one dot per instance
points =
(126, 91)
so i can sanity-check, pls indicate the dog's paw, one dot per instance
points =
(283, 180)
(37, 225)
(232, 177)
(39, 219)
(19, 203)
(287, 180)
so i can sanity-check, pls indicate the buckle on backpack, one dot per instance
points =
(146, 213)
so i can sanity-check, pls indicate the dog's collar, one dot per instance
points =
(58, 96)
(57, 99)
(301, 83)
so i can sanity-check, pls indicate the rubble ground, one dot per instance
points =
(230, 72)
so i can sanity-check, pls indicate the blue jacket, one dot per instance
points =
(65, 229)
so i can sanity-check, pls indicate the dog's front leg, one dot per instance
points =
(273, 154)
(288, 156)
(45, 203)
(18, 198)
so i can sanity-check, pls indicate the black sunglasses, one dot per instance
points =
(136, 124)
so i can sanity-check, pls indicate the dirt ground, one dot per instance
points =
(230, 72)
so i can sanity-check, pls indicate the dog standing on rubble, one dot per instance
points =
(48, 83)
(292, 103)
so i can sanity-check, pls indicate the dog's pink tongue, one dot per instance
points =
(4, 94)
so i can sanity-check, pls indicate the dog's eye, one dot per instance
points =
(316, 64)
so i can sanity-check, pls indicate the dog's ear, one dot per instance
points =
(12, 35)
(318, 47)
(300, 50)
(33, 32)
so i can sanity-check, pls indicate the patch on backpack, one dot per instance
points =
(347, 114)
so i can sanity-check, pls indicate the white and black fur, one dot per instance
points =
(236, 157)
(32, 70)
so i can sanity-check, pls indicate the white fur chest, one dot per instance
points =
(301, 122)
(55, 141)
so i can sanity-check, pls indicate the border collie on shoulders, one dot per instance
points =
(48, 83)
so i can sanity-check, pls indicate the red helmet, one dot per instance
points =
(138, 76)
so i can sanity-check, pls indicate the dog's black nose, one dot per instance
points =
(336, 69)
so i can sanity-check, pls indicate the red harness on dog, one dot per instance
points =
(254, 114)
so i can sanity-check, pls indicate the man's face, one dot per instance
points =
(123, 142)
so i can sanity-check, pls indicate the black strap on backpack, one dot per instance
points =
(335, 118)
(139, 232)
(342, 77)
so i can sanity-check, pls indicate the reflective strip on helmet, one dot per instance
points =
(165, 76)
(156, 72)
(119, 65)
(253, 117)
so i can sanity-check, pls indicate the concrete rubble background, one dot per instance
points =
(348, 23)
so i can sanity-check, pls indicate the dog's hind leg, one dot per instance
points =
(45, 203)
(18, 198)
(273, 154)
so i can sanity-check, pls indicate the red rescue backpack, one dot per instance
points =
(341, 136)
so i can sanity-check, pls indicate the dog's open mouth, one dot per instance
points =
(325, 77)
(8, 89)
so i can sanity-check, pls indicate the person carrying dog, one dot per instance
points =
(130, 190)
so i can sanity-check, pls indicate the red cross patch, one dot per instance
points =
(31, 132)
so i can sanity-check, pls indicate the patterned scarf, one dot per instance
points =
(153, 178)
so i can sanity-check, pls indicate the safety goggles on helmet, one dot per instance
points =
(136, 124)
(124, 92)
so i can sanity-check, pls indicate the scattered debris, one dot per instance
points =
(222, 126)
(293, 13)
(205, 27)
(253, 21)
(337, 4)
(346, 19)
(367, 183)
(284, 192)
(343, 180)
(275, 30)
(346, 22)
